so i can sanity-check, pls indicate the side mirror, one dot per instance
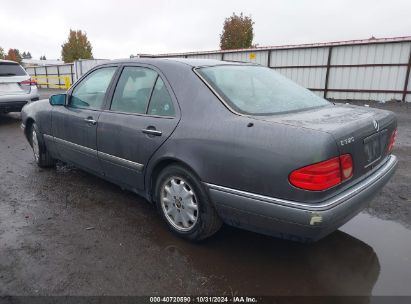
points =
(58, 100)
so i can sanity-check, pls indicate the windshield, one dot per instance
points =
(258, 90)
(11, 69)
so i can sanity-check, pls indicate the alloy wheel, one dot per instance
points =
(179, 203)
(35, 144)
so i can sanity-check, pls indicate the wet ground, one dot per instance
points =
(66, 232)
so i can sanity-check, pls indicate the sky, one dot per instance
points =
(117, 29)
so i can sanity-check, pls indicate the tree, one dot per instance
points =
(14, 55)
(26, 55)
(43, 57)
(1, 53)
(237, 33)
(76, 47)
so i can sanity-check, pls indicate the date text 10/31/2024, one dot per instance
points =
(203, 299)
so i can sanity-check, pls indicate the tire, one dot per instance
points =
(184, 205)
(41, 155)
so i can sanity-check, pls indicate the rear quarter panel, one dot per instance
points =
(222, 149)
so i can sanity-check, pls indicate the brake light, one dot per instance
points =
(323, 175)
(29, 82)
(391, 143)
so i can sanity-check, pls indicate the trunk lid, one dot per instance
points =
(11, 74)
(360, 131)
(11, 85)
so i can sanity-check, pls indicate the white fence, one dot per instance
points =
(53, 76)
(83, 66)
(375, 69)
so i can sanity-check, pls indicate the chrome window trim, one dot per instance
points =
(159, 75)
(217, 95)
(139, 114)
(105, 156)
(338, 199)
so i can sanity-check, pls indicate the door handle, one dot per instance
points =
(152, 132)
(90, 121)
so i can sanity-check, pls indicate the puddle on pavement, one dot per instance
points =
(369, 256)
(392, 245)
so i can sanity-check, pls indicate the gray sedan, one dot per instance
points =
(209, 142)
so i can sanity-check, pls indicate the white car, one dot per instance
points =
(16, 87)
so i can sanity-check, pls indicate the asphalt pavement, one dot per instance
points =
(66, 232)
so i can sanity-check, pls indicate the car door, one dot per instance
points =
(142, 115)
(74, 125)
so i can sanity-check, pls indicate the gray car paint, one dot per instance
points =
(253, 154)
(123, 136)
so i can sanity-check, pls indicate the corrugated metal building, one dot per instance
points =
(372, 69)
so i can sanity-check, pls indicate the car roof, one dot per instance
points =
(179, 61)
(8, 61)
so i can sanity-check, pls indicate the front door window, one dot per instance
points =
(90, 92)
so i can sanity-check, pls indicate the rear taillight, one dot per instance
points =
(323, 175)
(346, 166)
(29, 82)
(391, 143)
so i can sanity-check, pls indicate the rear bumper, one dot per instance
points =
(295, 220)
(12, 106)
(15, 102)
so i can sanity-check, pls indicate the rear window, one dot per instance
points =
(258, 90)
(11, 69)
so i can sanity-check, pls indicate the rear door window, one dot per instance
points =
(11, 69)
(161, 103)
(134, 90)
